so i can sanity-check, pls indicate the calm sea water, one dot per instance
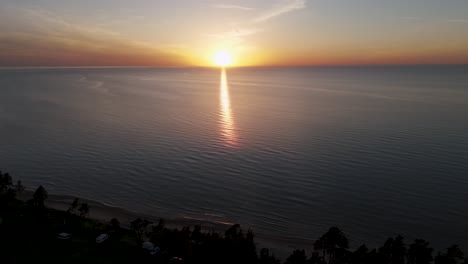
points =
(285, 151)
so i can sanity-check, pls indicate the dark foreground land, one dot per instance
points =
(28, 234)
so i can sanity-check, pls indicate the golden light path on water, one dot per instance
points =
(228, 129)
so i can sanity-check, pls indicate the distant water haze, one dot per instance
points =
(287, 152)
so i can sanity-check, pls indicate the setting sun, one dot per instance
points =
(223, 58)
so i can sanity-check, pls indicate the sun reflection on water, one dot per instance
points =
(228, 129)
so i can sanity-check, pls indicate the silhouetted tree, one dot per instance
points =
(297, 257)
(8, 191)
(19, 187)
(316, 258)
(360, 256)
(84, 210)
(266, 258)
(332, 244)
(454, 255)
(139, 227)
(239, 248)
(136, 225)
(234, 233)
(160, 226)
(6, 182)
(74, 206)
(393, 251)
(419, 252)
(249, 246)
(39, 197)
(156, 233)
(115, 223)
(374, 257)
(196, 234)
(211, 247)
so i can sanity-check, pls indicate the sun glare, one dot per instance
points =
(223, 59)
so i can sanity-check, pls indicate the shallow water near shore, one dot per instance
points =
(288, 152)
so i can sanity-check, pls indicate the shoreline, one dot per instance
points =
(280, 246)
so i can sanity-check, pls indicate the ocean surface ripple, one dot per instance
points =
(287, 152)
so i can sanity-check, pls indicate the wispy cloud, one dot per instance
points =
(409, 18)
(458, 20)
(281, 8)
(248, 28)
(50, 40)
(245, 8)
(236, 33)
(121, 21)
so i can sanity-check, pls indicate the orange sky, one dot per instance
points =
(278, 32)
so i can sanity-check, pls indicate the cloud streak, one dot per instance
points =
(245, 8)
(409, 18)
(236, 36)
(458, 20)
(281, 8)
(237, 33)
(52, 41)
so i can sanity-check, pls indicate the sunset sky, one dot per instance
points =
(190, 32)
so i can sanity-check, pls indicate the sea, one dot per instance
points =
(285, 151)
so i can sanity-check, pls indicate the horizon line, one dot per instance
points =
(232, 67)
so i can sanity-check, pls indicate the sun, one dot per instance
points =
(223, 58)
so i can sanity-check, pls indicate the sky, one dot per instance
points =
(255, 32)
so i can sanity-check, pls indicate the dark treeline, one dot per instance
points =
(31, 227)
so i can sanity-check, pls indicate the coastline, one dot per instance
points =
(281, 247)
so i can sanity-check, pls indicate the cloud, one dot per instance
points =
(245, 8)
(236, 33)
(236, 36)
(281, 8)
(106, 21)
(49, 40)
(409, 18)
(458, 20)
